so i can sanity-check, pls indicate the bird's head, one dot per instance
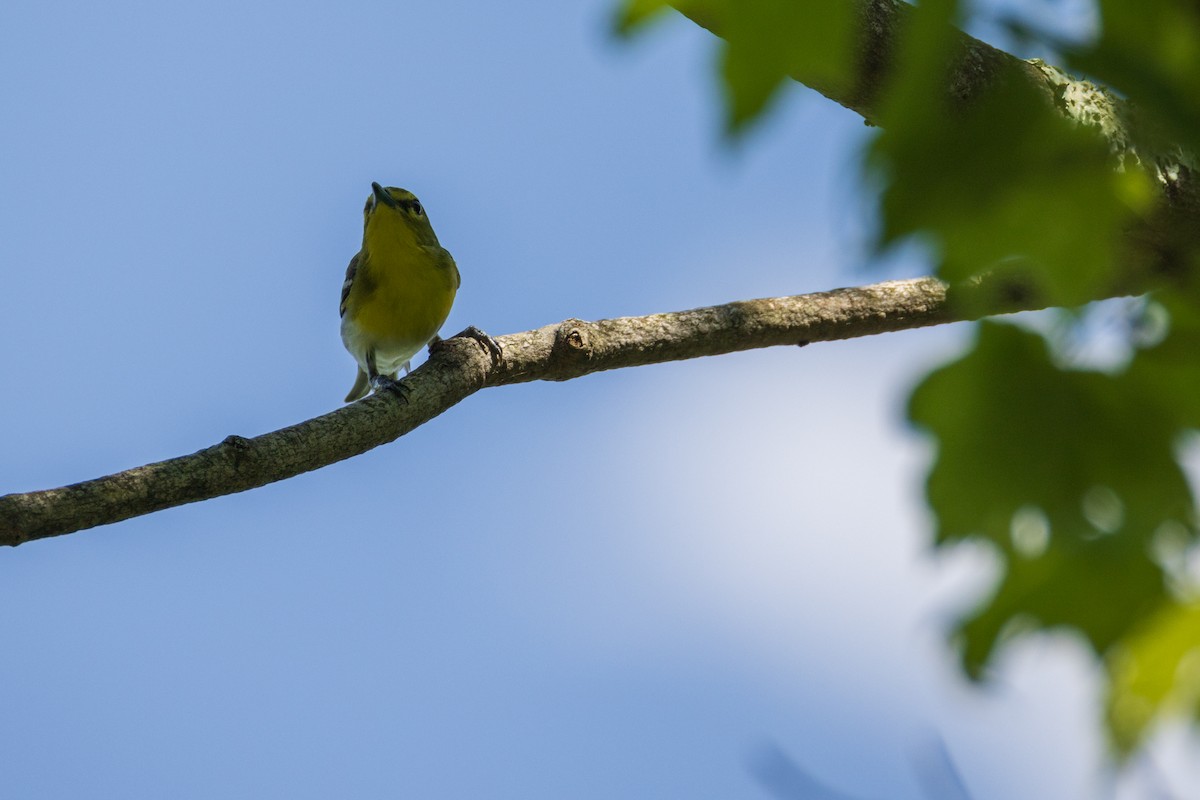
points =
(395, 212)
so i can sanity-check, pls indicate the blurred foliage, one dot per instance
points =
(1169, 369)
(1150, 51)
(1155, 672)
(1004, 183)
(1072, 475)
(763, 43)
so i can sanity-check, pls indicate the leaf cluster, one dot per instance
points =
(1071, 188)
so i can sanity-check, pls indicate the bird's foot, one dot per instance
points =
(386, 383)
(487, 342)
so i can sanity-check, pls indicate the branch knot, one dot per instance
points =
(572, 347)
(235, 449)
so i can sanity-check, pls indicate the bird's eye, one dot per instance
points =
(415, 207)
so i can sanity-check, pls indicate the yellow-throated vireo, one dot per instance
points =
(398, 291)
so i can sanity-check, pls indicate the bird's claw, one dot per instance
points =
(489, 344)
(382, 383)
(471, 332)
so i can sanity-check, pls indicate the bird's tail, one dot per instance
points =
(360, 389)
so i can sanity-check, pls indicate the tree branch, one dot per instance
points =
(1162, 244)
(459, 367)
(574, 348)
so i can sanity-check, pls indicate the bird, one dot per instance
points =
(398, 290)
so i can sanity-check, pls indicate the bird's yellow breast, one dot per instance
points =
(403, 291)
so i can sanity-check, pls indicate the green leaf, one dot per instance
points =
(1004, 183)
(763, 43)
(1155, 672)
(1068, 473)
(1169, 369)
(750, 86)
(768, 40)
(634, 14)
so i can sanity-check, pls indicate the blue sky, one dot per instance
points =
(629, 585)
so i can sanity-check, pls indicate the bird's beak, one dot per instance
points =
(382, 196)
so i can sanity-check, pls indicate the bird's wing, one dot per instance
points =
(351, 271)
